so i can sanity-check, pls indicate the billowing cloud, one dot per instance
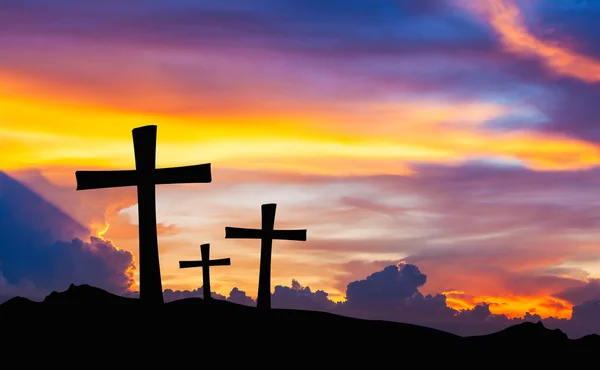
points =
(98, 263)
(586, 316)
(240, 297)
(580, 293)
(390, 284)
(393, 294)
(300, 297)
(100, 210)
(43, 249)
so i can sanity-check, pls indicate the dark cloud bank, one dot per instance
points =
(43, 249)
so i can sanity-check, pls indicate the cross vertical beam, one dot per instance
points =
(144, 144)
(145, 177)
(206, 263)
(266, 234)
(205, 255)
(266, 252)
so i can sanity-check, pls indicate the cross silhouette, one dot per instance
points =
(145, 177)
(206, 263)
(266, 234)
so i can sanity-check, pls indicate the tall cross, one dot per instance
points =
(206, 263)
(266, 234)
(145, 177)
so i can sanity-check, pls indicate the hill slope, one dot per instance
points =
(84, 314)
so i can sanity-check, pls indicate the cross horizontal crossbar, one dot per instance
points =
(87, 180)
(299, 235)
(244, 233)
(220, 262)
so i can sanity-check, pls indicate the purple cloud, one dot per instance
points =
(585, 291)
(42, 249)
(392, 283)
(299, 297)
(240, 297)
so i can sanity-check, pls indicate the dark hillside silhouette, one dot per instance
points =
(83, 314)
(524, 335)
(145, 177)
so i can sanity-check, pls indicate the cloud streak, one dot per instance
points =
(507, 20)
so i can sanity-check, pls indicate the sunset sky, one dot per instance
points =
(457, 136)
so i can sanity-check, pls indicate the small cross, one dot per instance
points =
(266, 234)
(206, 263)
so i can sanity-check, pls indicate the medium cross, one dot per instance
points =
(206, 263)
(266, 234)
(145, 177)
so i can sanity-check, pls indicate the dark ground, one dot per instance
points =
(86, 322)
